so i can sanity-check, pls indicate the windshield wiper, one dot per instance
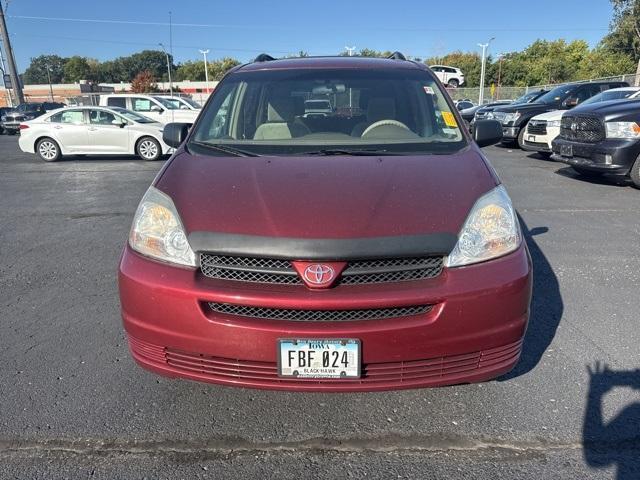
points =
(225, 149)
(345, 151)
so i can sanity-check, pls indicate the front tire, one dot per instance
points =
(453, 83)
(635, 173)
(520, 140)
(48, 150)
(148, 149)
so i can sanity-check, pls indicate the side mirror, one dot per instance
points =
(571, 102)
(156, 108)
(175, 133)
(119, 123)
(487, 132)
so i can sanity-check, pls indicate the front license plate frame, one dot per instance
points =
(531, 138)
(566, 151)
(291, 368)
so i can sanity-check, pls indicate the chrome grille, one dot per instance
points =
(537, 127)
(582, 129)
(299, 315)
(357, 272)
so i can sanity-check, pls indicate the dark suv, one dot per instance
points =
(514, 118)
(601, 138)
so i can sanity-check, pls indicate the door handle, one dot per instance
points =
(58, 127)
(92, 129)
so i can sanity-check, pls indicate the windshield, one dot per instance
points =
(136, 117)
(527, 97)
(191, 102)
(264, 112)
(166, 103)
(556, 95)
(610, 95)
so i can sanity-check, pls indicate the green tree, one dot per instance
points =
(194, 70)
(78, 68)
(469, 62)
(36, 73)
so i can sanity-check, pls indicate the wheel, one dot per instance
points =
(48, 149)
(148, 148)
(523, 129)
(587, 173)
(453, 83)
(635, 173)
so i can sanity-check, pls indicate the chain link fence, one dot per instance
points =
(511, 93)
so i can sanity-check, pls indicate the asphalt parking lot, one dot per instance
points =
(74, 405)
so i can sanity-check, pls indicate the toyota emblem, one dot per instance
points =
(319, 274)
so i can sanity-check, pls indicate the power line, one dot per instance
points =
(302, 27)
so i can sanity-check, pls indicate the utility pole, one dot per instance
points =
(484, 46)
(13, 71)
(4, 84)
(206, 69)
(500, 57)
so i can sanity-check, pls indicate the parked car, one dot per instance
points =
(450, 76)
(469, 113)
(544, 128)
(182, 103)
(484, 113)
(92, 131)
(317, 107)
(3, 111)
(334, 255)
(155, 107)
(464, 104)
(514, 118)
(601, 138)
(25, 111)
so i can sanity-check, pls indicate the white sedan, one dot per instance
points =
(92, 131)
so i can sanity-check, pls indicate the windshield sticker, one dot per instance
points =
(429, 91)
(449, 119)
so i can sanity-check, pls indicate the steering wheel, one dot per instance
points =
(382, 123)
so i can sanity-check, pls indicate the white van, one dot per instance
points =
(155, 107)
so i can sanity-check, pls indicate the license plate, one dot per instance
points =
(531, 138)
(319, 358)
(566, 150)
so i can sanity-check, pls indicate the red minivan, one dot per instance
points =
(369, 248)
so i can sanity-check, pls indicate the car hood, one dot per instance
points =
(181, 115)
(326, 197)
(611, 107)
(526, 107)
(550, 116)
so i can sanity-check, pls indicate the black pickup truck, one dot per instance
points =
(514, 118)
(601, 138)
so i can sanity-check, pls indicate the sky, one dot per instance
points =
(242, 29)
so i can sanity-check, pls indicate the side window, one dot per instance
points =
(100, 117)
(117, 102)
(68, 116)
(141, 104)
(220, 125)
(451, 70)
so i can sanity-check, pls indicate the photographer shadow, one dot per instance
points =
(616, 442)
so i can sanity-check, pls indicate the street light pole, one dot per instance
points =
(500, 57)
(168, 69)
(350, 50)
(484, 46)
(50, 86)
(206, 69)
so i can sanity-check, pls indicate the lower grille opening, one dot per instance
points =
(299, 315)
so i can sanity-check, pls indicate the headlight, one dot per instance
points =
(511, 117)
(489, 116)
(622, 129)
(554, 123)
(157, 231)
(491, 230)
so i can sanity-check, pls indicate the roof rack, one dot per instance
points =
(263, 57)
(397, 56)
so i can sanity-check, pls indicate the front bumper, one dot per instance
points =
(11, 126)
(615, 155)
(540, 143)
(473, 332)
(510, 133)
